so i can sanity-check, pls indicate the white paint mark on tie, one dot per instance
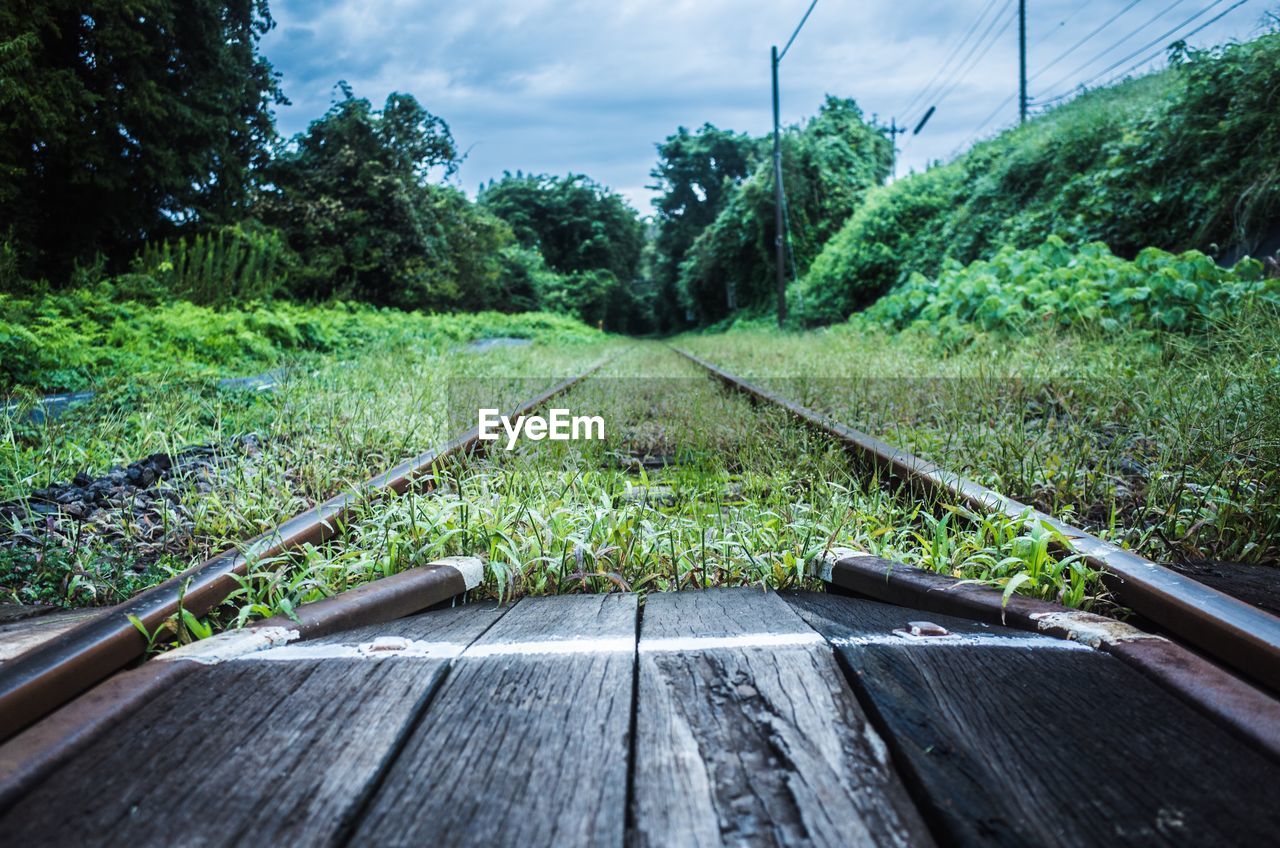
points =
(681, 644)
(234, 644)
(383, 647)
(609, 645)
(901, 638)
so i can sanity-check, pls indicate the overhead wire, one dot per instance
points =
(799, 27)
(1160, 40)
(946, 63)
(1046, 101)
(964, 73)
(1051, 33)
(1074, 47)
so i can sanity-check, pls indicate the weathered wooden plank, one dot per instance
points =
(526, 743)
(1010, 738)
(252, 750)
(747, 734)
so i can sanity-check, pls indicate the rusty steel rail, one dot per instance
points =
(1240, 635)
(42, 679)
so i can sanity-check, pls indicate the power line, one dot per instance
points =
(1073, 48)
(782, 229)
(965, 69)
(946, 64)
(799, 27)
(995, 112)
(989, 118)
(1193, 32)
(1160, 39)
(1051, 33)
(1131, 34)
(962, 74)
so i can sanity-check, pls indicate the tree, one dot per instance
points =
(128, 119)
(574, 222)
(828, 166)
(695, 175)
(354, 196)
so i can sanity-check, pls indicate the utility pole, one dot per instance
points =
(779, 239)
(1022, 61)
(894, 132)
(779, 197)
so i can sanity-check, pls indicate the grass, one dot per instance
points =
(1166, 444)
(737, 496)
(331, 423)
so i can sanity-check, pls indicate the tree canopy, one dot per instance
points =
(828, 166)
(355, 198)
(576, 223)
(128, 119)
(695, 175)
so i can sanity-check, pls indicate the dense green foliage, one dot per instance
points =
(1088, 288)
(124, 328)
(828, 165)
(230, 265)
(695, 175)
(587, 236)
(574, 222)
(149, 125)
(1183, 159)
(355, 199)
(126, 118)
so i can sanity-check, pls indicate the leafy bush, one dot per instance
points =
(1088, 288)
(229, 265)
(355, 197)
(1183, 159)
(888, 232)
(574, 222)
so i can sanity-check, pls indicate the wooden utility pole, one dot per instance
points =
(779, 196)
(1022, 61)
(894, 132)
(779, 224)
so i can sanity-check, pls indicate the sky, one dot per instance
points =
(589, 86)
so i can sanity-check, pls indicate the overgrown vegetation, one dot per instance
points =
(692, 488)
(329, 422)
(587, 235)
(152, 130)
(1088, 289)
(1183, 159)
(231, 265)
(1165, 443)
(127, 123)
(127, 329)
(828, 165)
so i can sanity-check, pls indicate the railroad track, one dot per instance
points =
(915, 710)
(1236, 633)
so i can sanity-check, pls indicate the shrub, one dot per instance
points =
(1184, 159)
(72, 339)
(229, 265)
(1090, 288)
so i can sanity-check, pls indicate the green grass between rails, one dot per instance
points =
(748, 497)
